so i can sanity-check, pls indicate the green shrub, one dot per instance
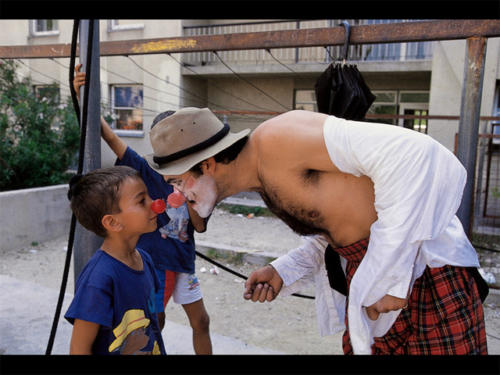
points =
(39, 137)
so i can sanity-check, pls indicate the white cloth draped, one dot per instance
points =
(418, 188)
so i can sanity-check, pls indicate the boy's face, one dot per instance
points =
(136, 215)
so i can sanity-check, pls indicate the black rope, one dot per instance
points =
(239, 274)
(74, 98)
(83, 131)
(279, 62)
(67, 263)
(217, 87)
(106, 102)
(86, 91)
(179, 87)
(247, 81)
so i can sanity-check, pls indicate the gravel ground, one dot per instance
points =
(286, 325)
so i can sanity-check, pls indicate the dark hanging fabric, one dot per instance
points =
(341, 91)
(336, 275)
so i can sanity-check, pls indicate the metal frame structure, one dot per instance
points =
(475, 32)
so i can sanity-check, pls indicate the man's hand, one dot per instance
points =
(263, 284)
(386, 304)
(79, 80)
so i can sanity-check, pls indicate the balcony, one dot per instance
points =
(393, 52)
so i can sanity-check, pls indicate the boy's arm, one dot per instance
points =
(84, 334)
(114, 142)
(199, 224)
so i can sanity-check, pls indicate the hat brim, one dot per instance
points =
(182, 165)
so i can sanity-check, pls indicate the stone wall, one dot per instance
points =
(33, 215)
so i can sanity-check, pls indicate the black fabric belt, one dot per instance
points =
(336, 275)
(482, 287)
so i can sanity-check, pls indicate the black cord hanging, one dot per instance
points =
(83, 132)
(239, 274)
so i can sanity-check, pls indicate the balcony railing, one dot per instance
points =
(372, 52)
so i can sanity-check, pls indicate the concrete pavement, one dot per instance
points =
(27, 311)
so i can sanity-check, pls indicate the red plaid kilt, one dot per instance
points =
(444, 314)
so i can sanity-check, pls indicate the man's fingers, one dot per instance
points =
(256, 292)
(249, 288)
(263, 293)
(270, 294)
(247, 294)
(77, 68)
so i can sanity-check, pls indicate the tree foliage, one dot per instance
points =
(39, 135)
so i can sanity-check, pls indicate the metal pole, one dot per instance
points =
(86, 242)
(469, 123)
(419, 31)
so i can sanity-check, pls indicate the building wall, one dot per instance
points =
(448, 69)
(443, 77)
(161, 88)
(158, 95)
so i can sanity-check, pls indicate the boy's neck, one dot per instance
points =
(124, 251)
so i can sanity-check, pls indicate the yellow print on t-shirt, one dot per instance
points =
(131, 334)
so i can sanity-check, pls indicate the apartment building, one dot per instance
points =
(246, 87)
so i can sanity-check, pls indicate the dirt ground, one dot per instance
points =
(286, 325)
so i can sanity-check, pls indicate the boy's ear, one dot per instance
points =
(111, 224)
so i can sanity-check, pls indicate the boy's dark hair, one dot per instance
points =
(96, 194)
(225, 156)
(161, 116)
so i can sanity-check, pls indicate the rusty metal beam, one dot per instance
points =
(468, 127)
(360, 34)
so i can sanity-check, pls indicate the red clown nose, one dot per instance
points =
(158, 206)
(176, 199)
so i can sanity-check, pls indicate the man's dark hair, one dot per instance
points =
(225, 156)
(96, 194)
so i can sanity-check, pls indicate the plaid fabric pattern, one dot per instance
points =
(444, 314)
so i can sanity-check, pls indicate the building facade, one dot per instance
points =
(247, 87)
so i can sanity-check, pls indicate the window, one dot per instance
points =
(404, 103)
(414, 103)
(385, 104)
(120, 25)
(49, 92)
(127, 103)
(306, 100)
(495, 125)
(44, 27)
(417, 124)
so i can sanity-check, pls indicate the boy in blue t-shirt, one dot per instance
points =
(171, 246)
(113, 310)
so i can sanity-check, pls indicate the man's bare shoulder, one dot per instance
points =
(289, 127)
(295, 136)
